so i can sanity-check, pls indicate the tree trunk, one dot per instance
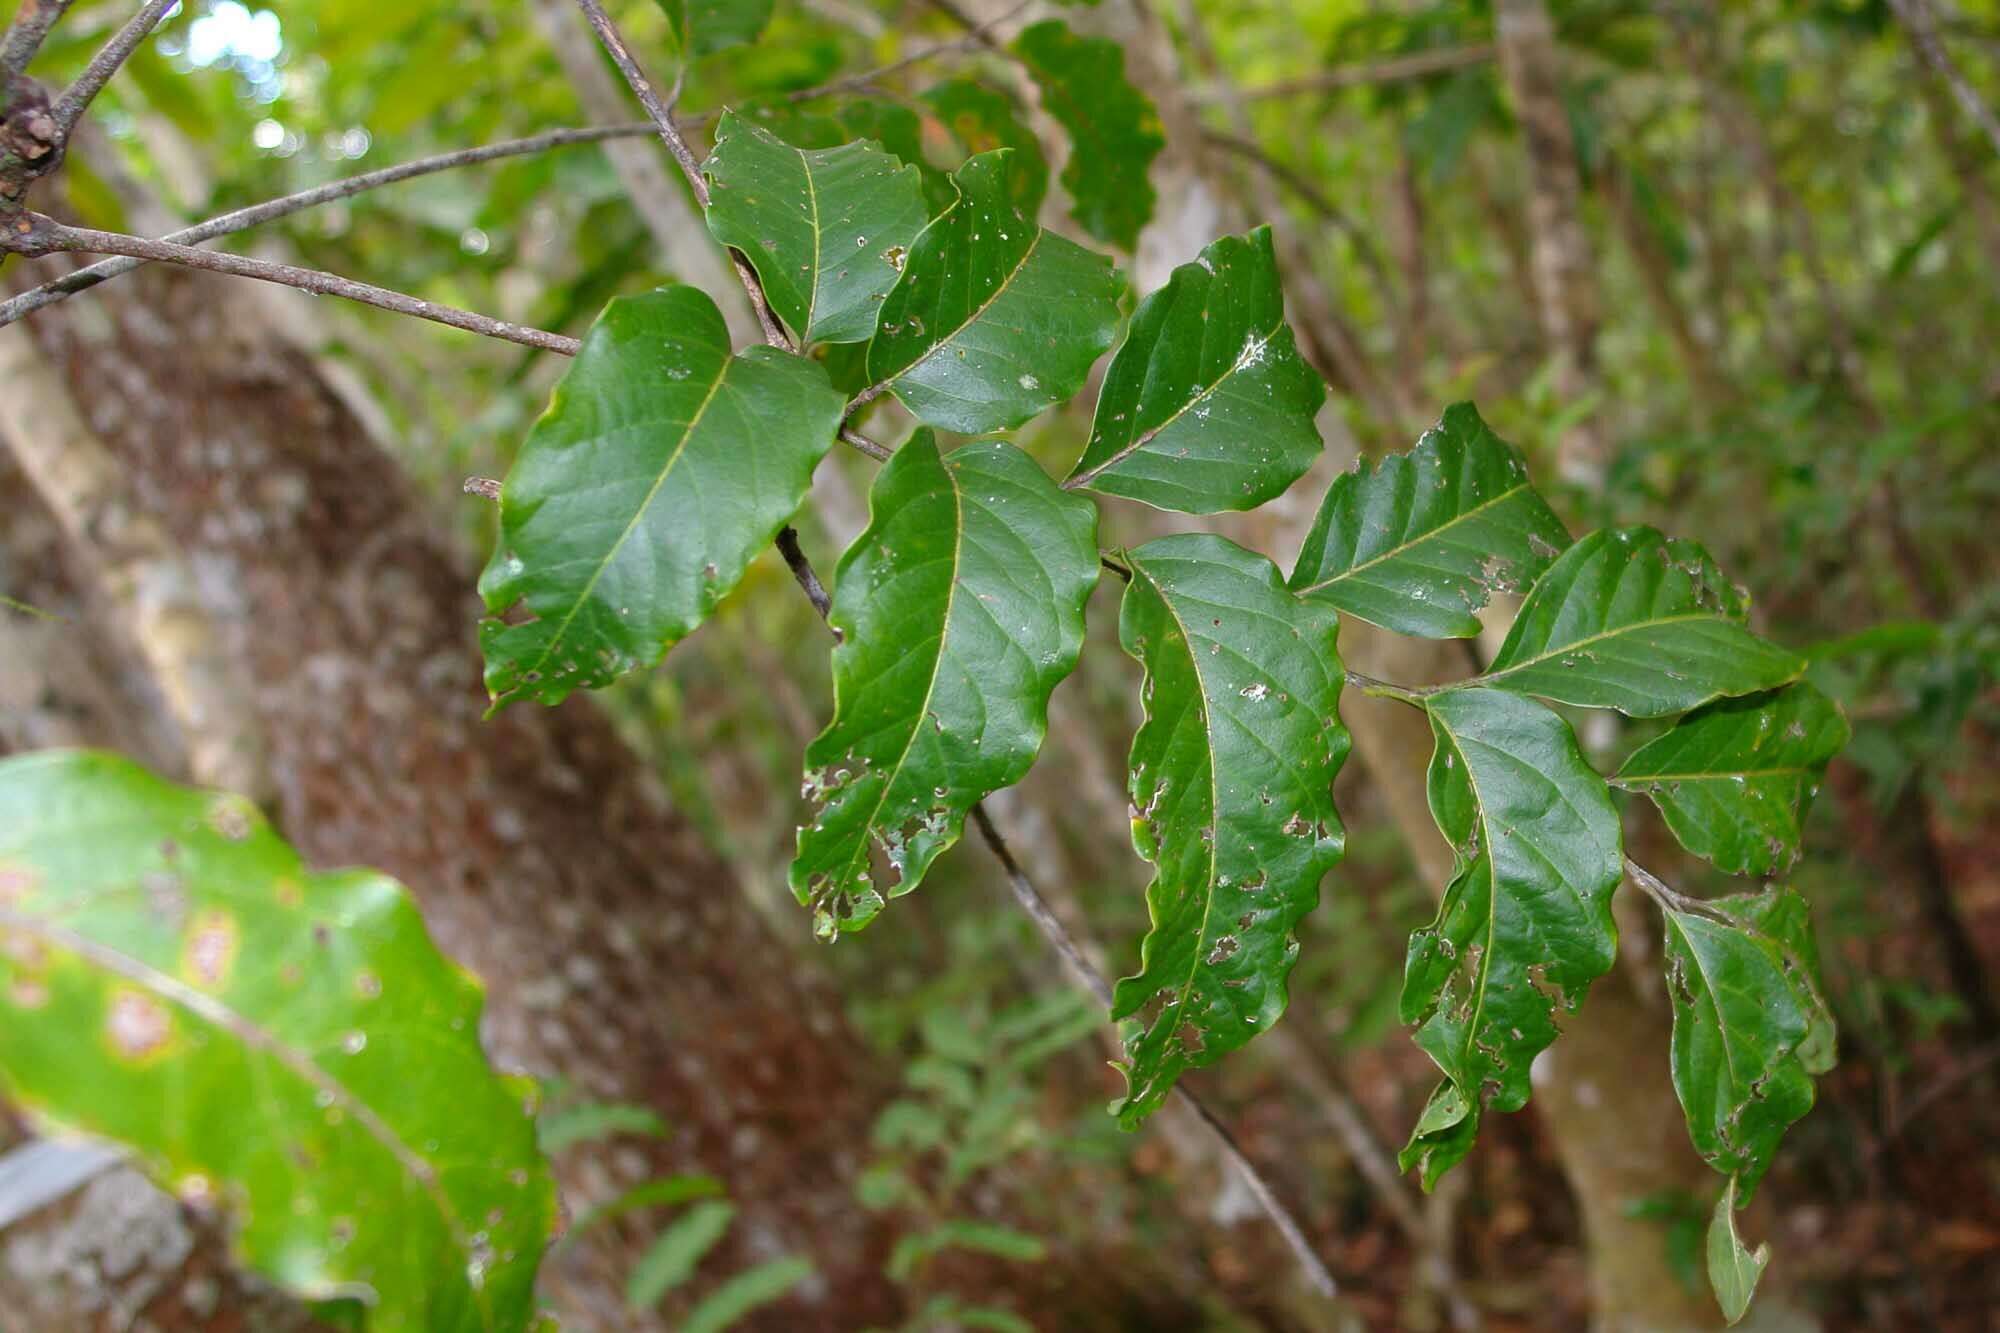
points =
(617, 951)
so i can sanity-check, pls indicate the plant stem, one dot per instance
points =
(37, 234)
(78, 96)
(1382, 689)
(272, 209)
(662, 117)
(24, 37)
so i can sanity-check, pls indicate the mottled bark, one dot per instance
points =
(617, 950)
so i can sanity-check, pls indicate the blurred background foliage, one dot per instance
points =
(1797, 241)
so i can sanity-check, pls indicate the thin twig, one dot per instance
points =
(1090, 979)
(802, 570)
(1394, 70)
(271, 210)
(881, 453)
(1667, 896)
(37, 234)
(663, 119)
(1313, 198)
(1917, 19)
(24, 37)
(70, 106)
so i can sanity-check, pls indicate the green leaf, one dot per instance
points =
(1232, 789)
(963, 1234)
(1525, 925)
(1444, 1134)
(1417, 542)
(1782, 916)
(705, 26)
(664, 1192)
(671, 1259)
(982, 119)
(1733, 1270)
(1631, 620)
(662, 465)
(1741, 1016)
(1734, 779)
(589, 1121)
(960, 609)
(994, 319)
(1207, 405)
(1114, 131)
(749, 1289)
(827, 231)
(286, 1043)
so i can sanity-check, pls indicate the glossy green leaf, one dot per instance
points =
(994, 319)
(1782, 916)
(703, 26)
(662, 466)
(1417, 542)
(1232, 792)
(1734, 779)
(1733, 1268)
(746, 1291)
(1742, 1011)
(1631, 620)
(1114, 131)
(287, 1044)
(1443, 1136)
(670, 1260)
(827, 230)
(1207, 405)
(960, 609)
(1525, 925)
(981, 119)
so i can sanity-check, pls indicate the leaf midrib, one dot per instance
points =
(894, 774)
(1147, 437)
(213, 1012)
(1428, 535)
(638, 512)
(973, 317)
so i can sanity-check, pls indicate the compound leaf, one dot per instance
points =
(994, 319)
(662, 466)
(1207, 405)
(1114, 131)
(960, 609)
(1734, 779)
(286, 1043)
(1417, 542)
(1231, 784)
(1525, 925)
(705, 26)
(827, 230)
(1631, 620)
(1743, 1012)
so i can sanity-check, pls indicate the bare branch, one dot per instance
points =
(1394, 70)
(37, 234)
(24, 37)
(1090, 979)
(662, 117)
(1918, 20)
(271, 210)
(881, 453)
(78, 96)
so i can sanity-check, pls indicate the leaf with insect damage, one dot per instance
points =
(286, 1044)
(1207, 405)
(994, 319)
(1632, 620)
(960, 608)
(1734, 779)
(827, 230)
(1232, 796)
(1734, 1269)
(1525, 925)
(662, 466)
(1417, 542)
(1750, 1027)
